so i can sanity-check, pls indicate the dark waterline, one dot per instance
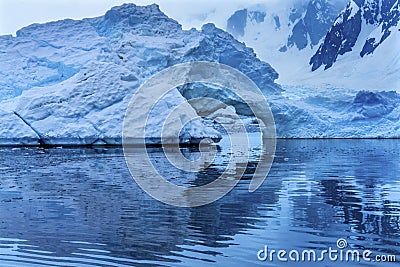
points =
(80, 207)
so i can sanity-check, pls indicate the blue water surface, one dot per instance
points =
(80, 207)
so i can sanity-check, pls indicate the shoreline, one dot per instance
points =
(159, 145)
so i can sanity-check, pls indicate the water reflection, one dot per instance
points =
(79, 207)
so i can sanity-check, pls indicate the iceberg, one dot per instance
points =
(69, 82)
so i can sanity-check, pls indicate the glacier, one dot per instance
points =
(69, 82)
(336, 113)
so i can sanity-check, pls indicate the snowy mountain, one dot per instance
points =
(311, 25)
(355, 41)
(362, 47)
(70, 81)
(367, 23)
(298, 24)
(285, 34)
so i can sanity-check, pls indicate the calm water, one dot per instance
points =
(79, 207)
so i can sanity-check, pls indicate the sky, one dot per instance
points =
(15, 14)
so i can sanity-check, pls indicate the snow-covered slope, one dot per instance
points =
(362, 47)
(356, 42)
(287, 33)
(290, 23)
(70, 81)
(361, 28)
